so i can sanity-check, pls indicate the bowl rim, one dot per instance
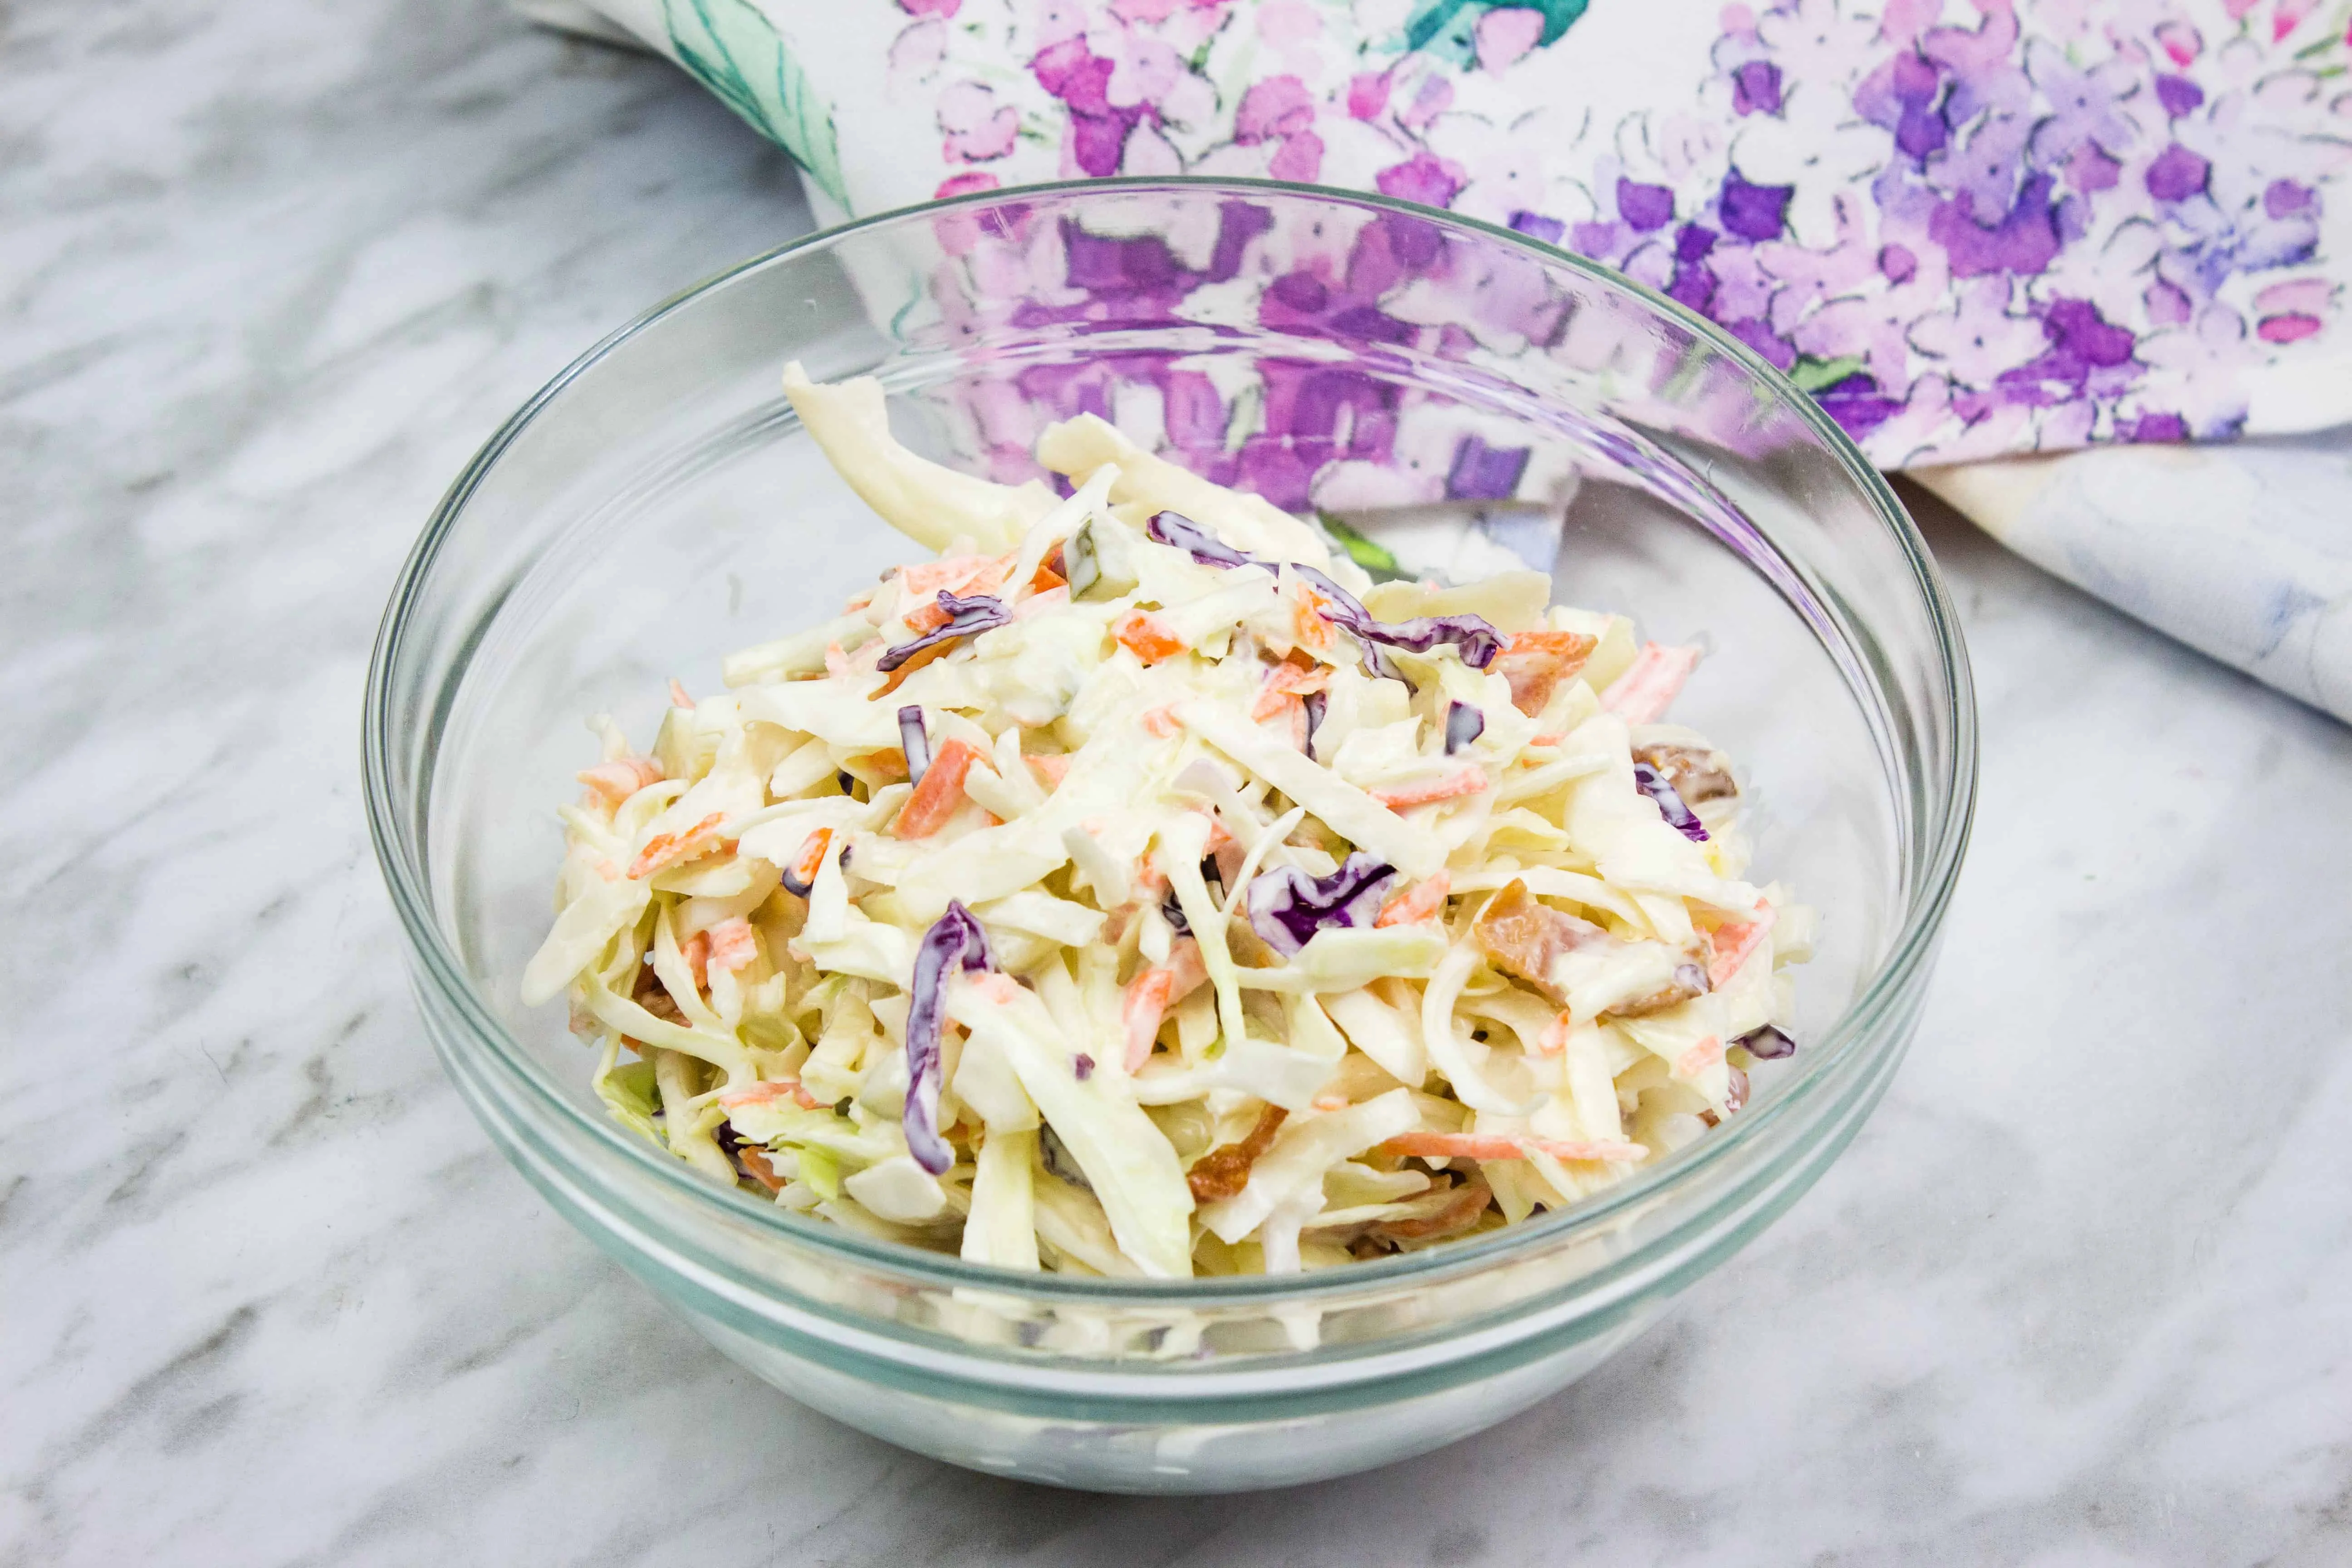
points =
(408, 882)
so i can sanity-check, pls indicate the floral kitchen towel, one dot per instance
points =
(1970, 230)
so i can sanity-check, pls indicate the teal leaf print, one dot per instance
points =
(734, 50)
(1449, 28)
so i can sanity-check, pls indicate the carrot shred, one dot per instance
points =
(1699, 1057)
(1052, 768)
(1469, 779)
(678, 695)
(696, 951)
(733, 944)
(1731, 944)
(755, 1160)
(664, 850)
(1147, 637)
(805, 865)
(1535, 663)
(940, 793)
(1509, 1146)
(617, 781)
(915, 661)
(1650, 684)
(1424, 900)
(1160, 721)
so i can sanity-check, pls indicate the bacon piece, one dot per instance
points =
(1222, 1171)
(940, 793)
(617, 780)
(1468, 779)
(1696, 776)
(1470, 1199)
(1527, 938)
(1146, 635)
(1647, 689)
(1535, 663)
(1424, 900)
(664, 850)
(733, 944)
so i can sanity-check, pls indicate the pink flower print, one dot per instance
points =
(2287, 15)
(1425, 178)
(2294, 310)
(1148, 155)
(1507, 168)
(1902, 96)
(1367, 95)
(2180, 42)
(1505, 37)
(1808, 275)
(976, 127)
(1987, 167)
(1277, 107)
(1142, 13)
(2167, 304)
(1096, 133)
(943, 9)
(1057, 22)
(1977, 338)
(1743, 288)
(2081, 104)
(1815, 164)
(964, 184)
(1431, 97)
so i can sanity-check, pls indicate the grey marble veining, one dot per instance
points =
(2081, 1293)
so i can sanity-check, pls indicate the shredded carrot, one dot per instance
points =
(1508, 1146)
(606, 870)
(1149, 996)
(1468, 779)
(617, 781)
(940, 793)
(664, 850)
(1160, 721)
(1699, 1057)
(805, 864)
(1577, 645)
(924, 617)
(1733, 943)
(755, 1160)
(1424, 900)
(1049, 575)
(1554, 1039)
(678, 695)
(1642, 694)
(772, 1089)
(1140, 1012)
(1310, 622)
(1535, 663)
(915, 661)
(962, 575)
(1050, 768)
(733, 944)
(1146, 635)
(696, 951)
(1331, 1102)
(1549, 738)
(836, 661)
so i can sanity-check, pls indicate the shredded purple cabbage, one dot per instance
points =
(1464, 724)
(1767, 1044)
(1083, 1065)
(1473, 635)
(1287, 907)
(954, 941)
(1679, 816)
(1317, 704)
(914, 741)
(966, 617)
(1174, 528)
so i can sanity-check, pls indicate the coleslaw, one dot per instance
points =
(1134, 887)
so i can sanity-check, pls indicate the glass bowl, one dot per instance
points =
(657, 505)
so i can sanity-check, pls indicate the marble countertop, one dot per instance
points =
(2081, 1293)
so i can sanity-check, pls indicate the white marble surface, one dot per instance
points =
(2082, 1293)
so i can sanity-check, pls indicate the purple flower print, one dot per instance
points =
(1755, 89)
(2154, 427)
(1978, 338)
(1481, 472)
(1753, 212)
(1535, 226)
(976, 127)
(1081, 80)
(1645, 207)
(2179, 96)
(2081, 104)
(2023, 240)
(2289, 198)
(2080, 342)
(2177, 174)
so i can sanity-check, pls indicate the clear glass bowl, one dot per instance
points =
(657, 505)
